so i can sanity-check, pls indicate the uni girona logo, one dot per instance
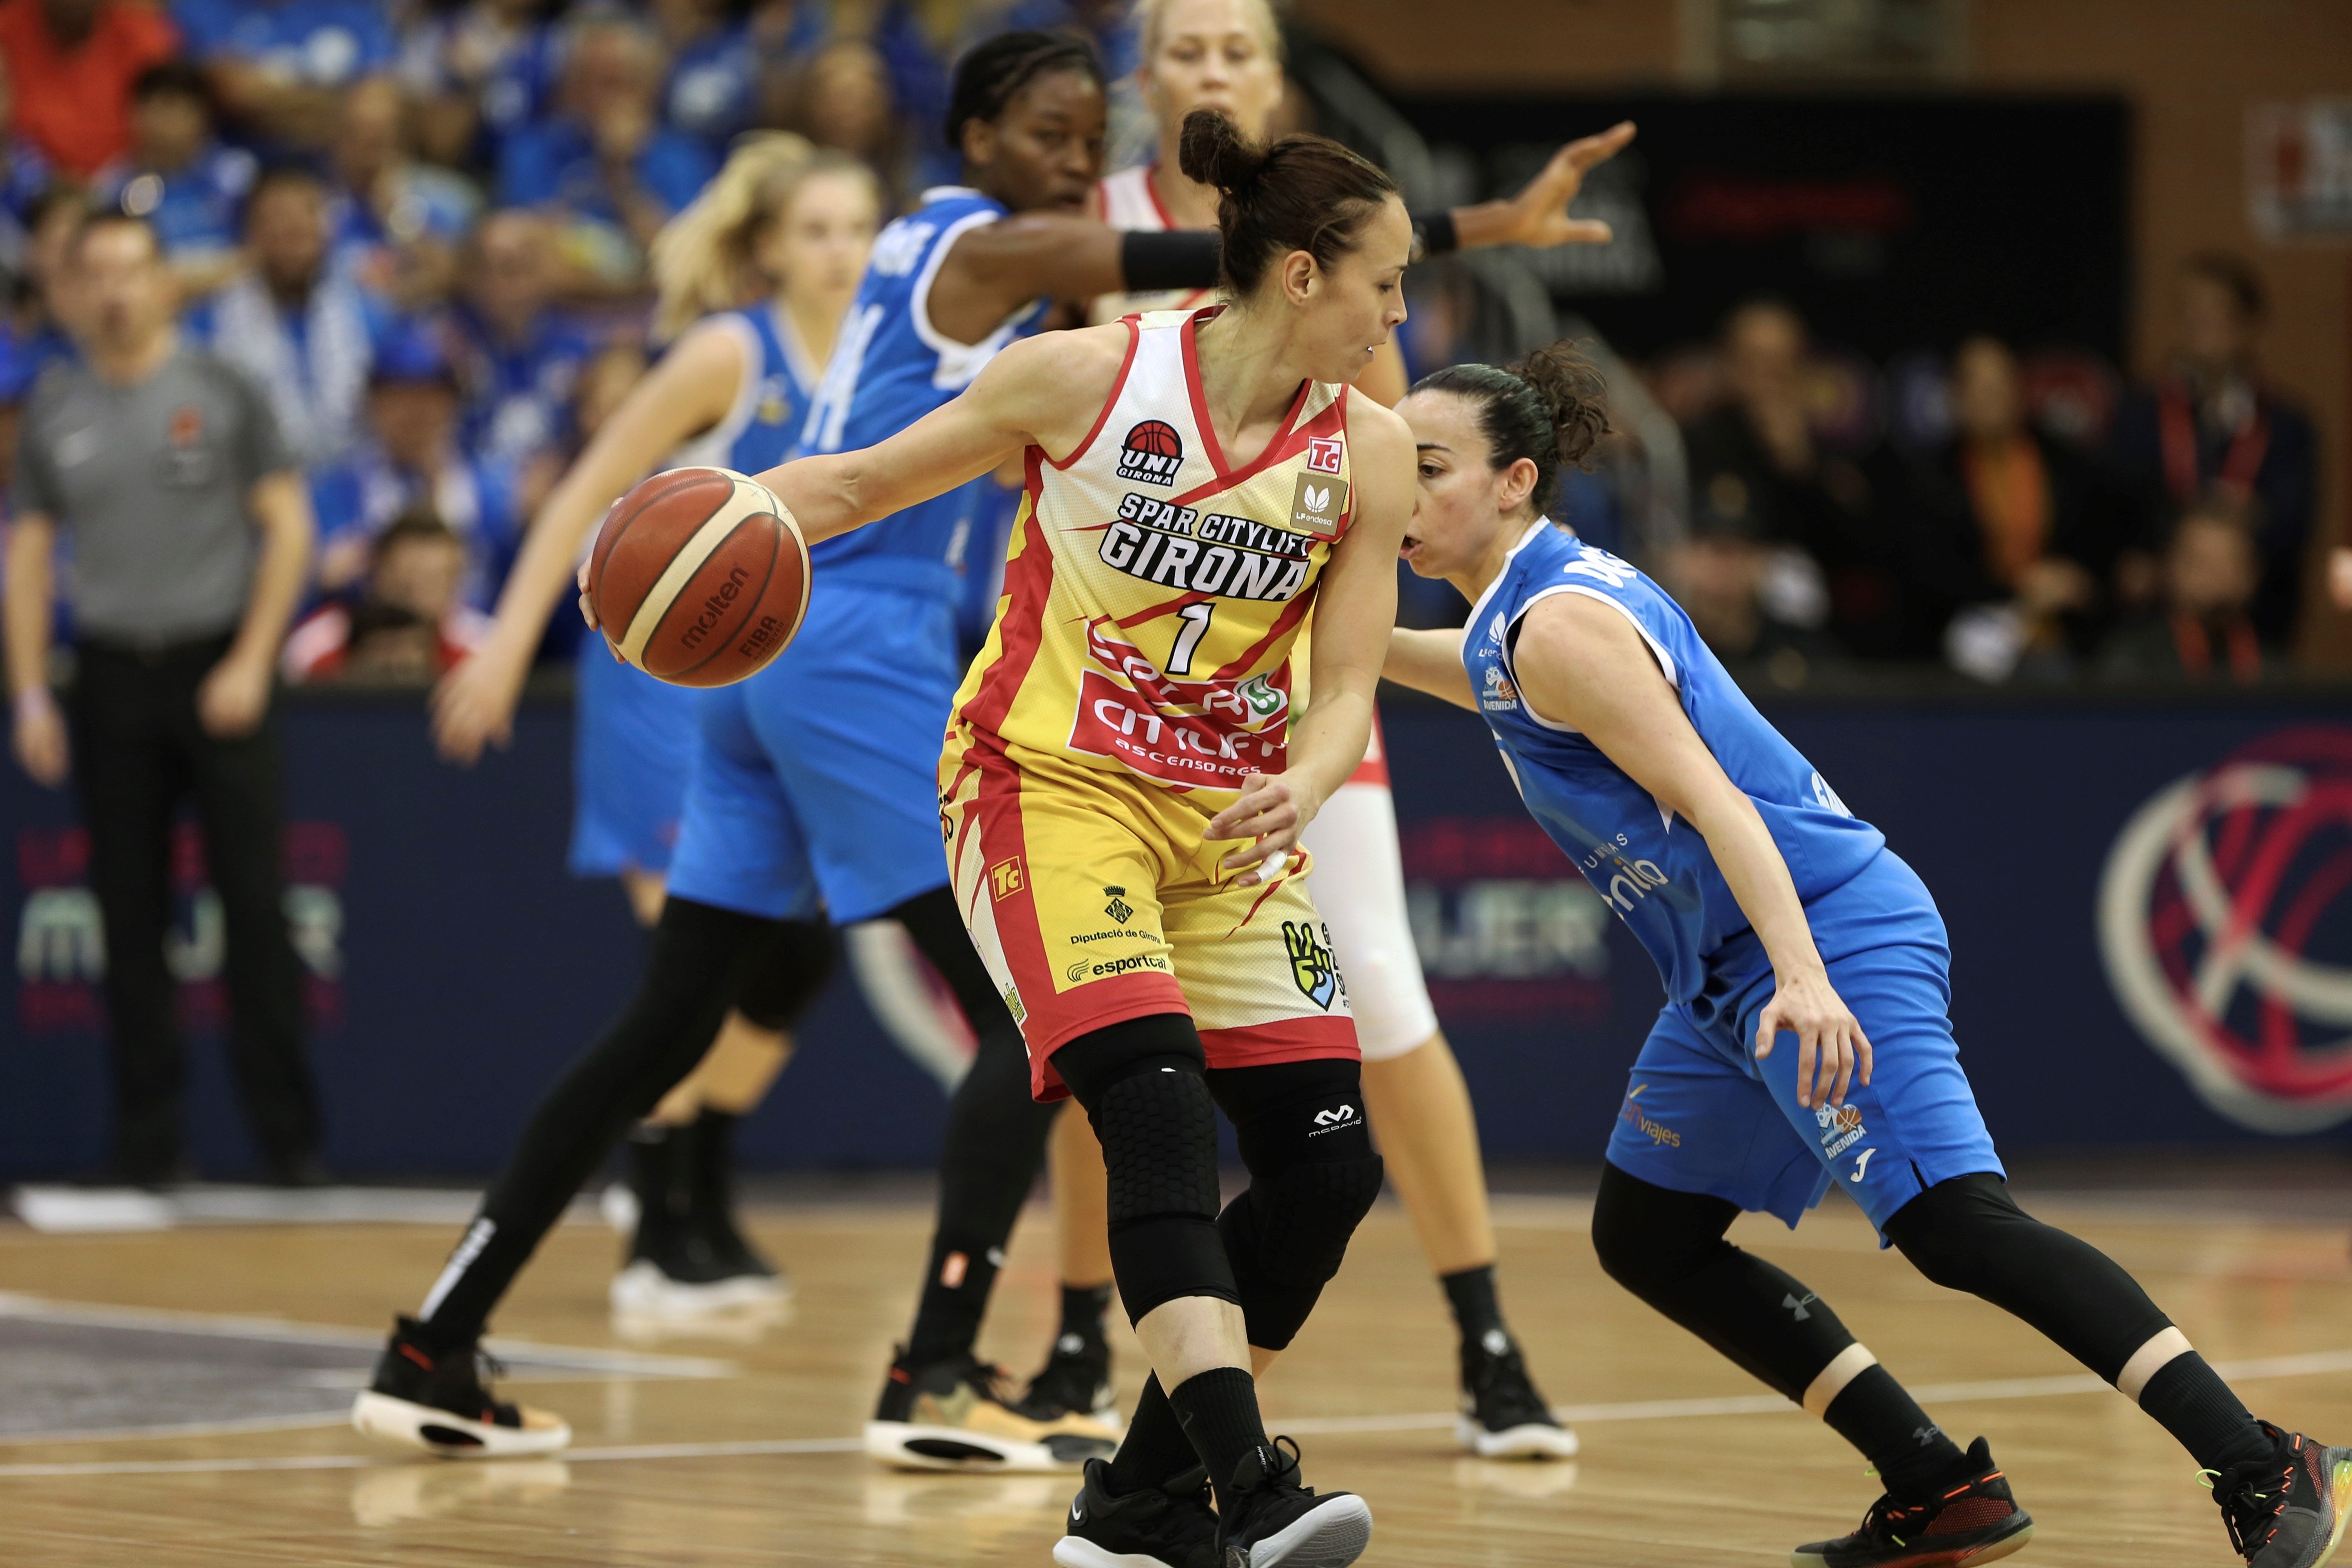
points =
(61, 940)
(2226, 929)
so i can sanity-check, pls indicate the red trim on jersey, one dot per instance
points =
(1273, 452)
(1134, 336)
(1151, 189)
(1284, 625)
(1021, 628)
(1169, 609)
(1284, 1040)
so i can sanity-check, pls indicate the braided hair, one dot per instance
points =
(1550, 408)
(989, 77)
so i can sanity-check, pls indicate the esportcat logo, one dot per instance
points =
(1314, 967)
(1084, 969)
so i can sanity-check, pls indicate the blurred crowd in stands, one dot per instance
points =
(422, 228)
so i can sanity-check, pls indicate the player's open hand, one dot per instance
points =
(1274, 810)
(1831, 1052)
(474, 704)
(1539, 217)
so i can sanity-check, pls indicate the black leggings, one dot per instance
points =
(703, 961)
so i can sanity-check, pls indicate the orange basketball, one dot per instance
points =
(699, 576)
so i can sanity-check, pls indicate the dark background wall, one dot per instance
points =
(467, 966)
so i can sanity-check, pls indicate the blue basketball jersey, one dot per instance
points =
(1655, 872)
(763, 427)
(889, 368)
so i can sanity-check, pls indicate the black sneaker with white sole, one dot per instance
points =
(1503, 1416)
(434, 1399)
(1275, 1523)
(1074, 1380)
(1169, 1526)
(955, 1415)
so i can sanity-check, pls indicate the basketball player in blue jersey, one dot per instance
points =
(1805, 1040)
(789, 228)
(813, 785)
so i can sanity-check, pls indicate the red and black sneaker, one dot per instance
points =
(1976, 1521)
(434, 1399)
(2288, 1510)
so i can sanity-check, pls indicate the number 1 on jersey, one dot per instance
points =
(1188, 637)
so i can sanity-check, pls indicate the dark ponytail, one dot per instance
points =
(1551, 407)
(1303, 193)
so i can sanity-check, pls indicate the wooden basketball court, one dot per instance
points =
(707, 1451)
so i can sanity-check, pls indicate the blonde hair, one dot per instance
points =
(1150, 15)
(701, 260)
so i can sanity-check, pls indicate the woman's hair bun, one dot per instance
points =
(1214, 150)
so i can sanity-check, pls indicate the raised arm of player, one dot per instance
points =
(689, 392)
(1580, 663)
(1046, 391)
(1355, 606)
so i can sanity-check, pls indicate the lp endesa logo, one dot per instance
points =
(2225, 923)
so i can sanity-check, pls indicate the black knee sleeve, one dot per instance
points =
(1313, 1177)
(1967, 1234)
(779, 981)
(1143, 1085)
(937, 930)
(1668, 1248)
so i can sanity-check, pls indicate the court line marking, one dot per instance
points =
(168, 1320)
(2316, 1362)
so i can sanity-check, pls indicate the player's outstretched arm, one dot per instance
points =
(690, 391)
(1046, 391)
(1580, 663)
(1430, 662)
(1355, 606)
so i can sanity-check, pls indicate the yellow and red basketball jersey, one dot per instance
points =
(1152, 591)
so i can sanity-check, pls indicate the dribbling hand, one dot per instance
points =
(1831, 1052)
(1272, 809)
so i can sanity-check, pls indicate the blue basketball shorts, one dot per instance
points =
(632, 738)
(1701, 1114)
(815, 785)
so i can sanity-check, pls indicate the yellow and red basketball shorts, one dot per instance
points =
(1093, 898)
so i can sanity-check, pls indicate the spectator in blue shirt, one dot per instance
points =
(519, 358)
(395, 223)
(277, 66)
(409, 458)
(603, 162)
(480, 71)
(177, 175)
(713, 87)
(305, 331)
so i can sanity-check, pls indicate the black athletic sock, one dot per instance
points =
(1083, 1307)
(994, 1146)
(1154, 1449)
(653, 1177)
(1914, 1459)
(1218, 1410)
(710, 1170)
(1476, 1312)
(2189, 1400)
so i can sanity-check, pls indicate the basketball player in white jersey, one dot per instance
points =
(1227, 55)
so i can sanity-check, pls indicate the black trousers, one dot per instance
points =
(139, 753)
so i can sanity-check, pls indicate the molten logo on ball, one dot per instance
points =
(2225, 924)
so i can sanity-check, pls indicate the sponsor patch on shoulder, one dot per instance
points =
(1318, 503)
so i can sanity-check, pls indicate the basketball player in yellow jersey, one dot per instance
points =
(1123, 784)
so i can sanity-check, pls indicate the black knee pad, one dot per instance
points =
(1288, 1233)
(1158, 1132)
(776, 983)
(1650, 1239)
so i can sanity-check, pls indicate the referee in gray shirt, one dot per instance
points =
(192, 534)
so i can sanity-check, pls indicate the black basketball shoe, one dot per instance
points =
(1273, 1520)
(953, 1415)
(1503, 1416)
(1074, 1380)
(1172, 1525)
(1976, 1521)
(2288, 1510)
(436, 1400)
